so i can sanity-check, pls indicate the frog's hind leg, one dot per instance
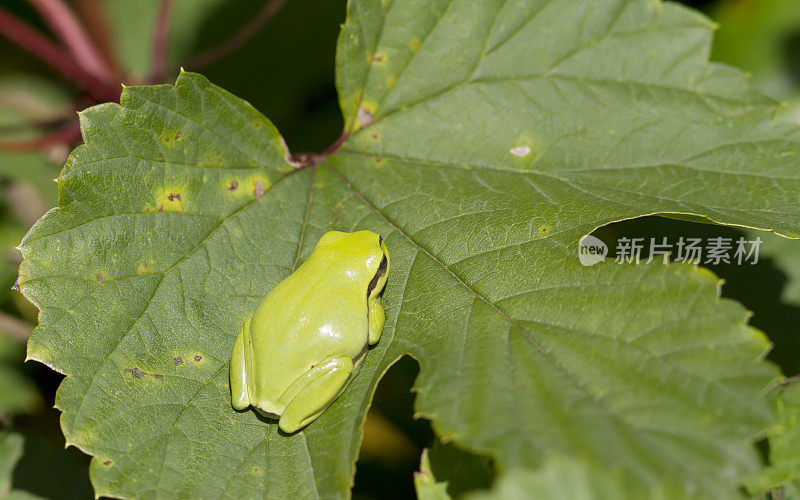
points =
(238, 374)
(314, 391)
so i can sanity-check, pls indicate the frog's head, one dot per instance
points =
(361, 256)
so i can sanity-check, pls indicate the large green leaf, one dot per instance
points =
(486, 139)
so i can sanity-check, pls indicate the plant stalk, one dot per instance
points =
(66, 26)
(160, 42)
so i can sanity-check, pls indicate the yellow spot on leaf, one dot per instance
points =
(168, 199)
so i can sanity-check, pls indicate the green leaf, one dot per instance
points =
(486, 139)
(784, 447)
(461, 471)
(567, 479)
(426, 485)
(10, 451)
(17, 393)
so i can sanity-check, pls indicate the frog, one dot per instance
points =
(309, 335)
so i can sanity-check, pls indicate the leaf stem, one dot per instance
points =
(307, 160)
(66, 26)
(160, 42)
(32, 41)
(239, 38)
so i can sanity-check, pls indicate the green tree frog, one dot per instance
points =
(309, 335)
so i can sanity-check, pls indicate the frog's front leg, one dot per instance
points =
(377, 317)
(238, 372)
(314, 391)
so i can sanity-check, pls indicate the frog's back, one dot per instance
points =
(300, 323)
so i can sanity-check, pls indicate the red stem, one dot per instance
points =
(239, 38)
(93, 14)
(66, 26)
(32, 41)
(69, 135)
(160, 42)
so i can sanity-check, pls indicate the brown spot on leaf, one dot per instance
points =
(178, 360)
(234, 186)
(174, 196)
(107, 463)
(365, 116)
(161, 208)
(198, 358)
(100, 278)
(258, 190)
(137, 374)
